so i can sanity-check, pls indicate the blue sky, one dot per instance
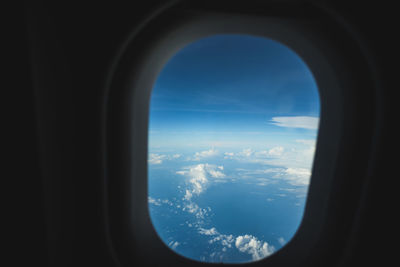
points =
(232, 136)
(230, 84)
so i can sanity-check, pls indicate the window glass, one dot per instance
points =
(233, 127)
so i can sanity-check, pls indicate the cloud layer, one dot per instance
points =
(304, 122)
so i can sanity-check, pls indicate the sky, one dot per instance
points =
(232, 134)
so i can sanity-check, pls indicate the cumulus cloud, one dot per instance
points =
(199, 177)
(194, 209)
(225, 240)
(273, 152)
(251, 245)
(188, 195)
(304, 122)
(295, 156)
(205, 154)
(244, 243)
(211, 231)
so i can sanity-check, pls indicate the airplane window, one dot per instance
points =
(232, 134)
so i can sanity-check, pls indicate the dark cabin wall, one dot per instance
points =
(60, 58)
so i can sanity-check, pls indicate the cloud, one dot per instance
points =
(242, 155)
(244, 243)
(159, 202)
(154, 201)
(293, 176)
(205, 154)
(216, 174)
(211, 231)
(159, 158)
(304, 122)
(229, 155)
(247, 152)
(296, 156)
(225, 240)
(298, 176)
(251, 245)
(188, 195)
(248, 155)
(199, 177)
(273, 152)
(276, 151)
(193, 208)
(156, 158)
(173, 244)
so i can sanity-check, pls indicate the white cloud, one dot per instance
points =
(216, 174)
(297, 156)
(211, 231)
(159, 202)
(225, 240)
(154, 201)
(304, 122)
(205, 154)
(188, 195)
(156, 158)
(276, 151)
(159, 158)
(298, 176)
(251, 245)
(199, 177)
(229, 155)
(193, 208)
(173, 244)
(294, 176)
(247, 152)
(244, 243)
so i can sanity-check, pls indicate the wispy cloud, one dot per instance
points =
(156, 158)
(159, 202)
(173, 244)
(293, 176)
(304, 122)
(281, 241)
(159, 158)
